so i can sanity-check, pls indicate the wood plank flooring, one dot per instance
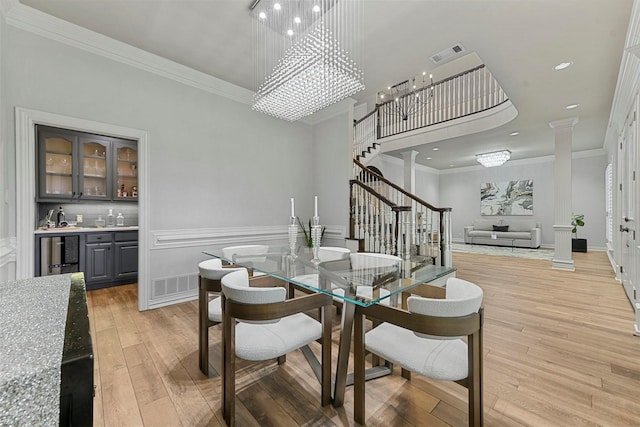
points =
(558, 351)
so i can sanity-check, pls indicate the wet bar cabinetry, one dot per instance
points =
(107, 256)
(81, 166)
(111, 258)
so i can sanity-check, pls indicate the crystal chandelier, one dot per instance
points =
(495, 158)
(407, 97)
(306, 55)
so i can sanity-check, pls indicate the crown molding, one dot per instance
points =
(37, 22)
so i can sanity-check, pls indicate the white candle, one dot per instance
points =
(292, 210)
(315, 206)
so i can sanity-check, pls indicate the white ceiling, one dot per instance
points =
(519, 40)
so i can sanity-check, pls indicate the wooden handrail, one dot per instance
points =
(400, 189)
(356, 122)
(374, 193)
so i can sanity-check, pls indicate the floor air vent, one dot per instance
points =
(448, 53)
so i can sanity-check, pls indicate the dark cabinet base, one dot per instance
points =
(579, 245)
(111, 259)
(76, 381)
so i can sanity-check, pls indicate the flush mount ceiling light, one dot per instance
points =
(495, 158)
(307, 54)
(563, 65)
(572, 106)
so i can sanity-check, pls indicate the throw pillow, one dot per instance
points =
(500, 228)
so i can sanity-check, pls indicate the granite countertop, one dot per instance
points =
(33, 314)
(84, 229)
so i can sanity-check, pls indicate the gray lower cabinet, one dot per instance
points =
(111, 259)
(126, 255)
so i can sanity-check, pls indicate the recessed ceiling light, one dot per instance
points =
(428, 158)
(514, 133)
(563, 65)
(316, 8)
(262, 15)
(451, 166)
(289, 32)
(277, 6)
(572, 106)
(297, 20)
(436, 149)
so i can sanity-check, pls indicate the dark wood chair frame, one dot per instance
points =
(469, 326)
(232, 311)
(205, 287)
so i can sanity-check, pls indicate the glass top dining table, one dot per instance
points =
(341, 278)
(352, 279)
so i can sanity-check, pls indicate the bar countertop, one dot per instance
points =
(45, 231)
(33, 318)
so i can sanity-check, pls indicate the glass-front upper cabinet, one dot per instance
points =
(95, 166)
(81, 166)
(126, 170)
(56, 169)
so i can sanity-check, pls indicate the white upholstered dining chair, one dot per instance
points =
(261, 324)
(368, 261)
(209, 310)
(426, 339)
(247, 254)
(325, 253)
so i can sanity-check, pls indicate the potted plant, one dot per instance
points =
(307, 233)
(577, 245)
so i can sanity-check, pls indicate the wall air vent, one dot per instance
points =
(448, 53)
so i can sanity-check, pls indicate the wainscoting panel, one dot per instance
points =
(171, 289)
(175, 254)
(7, 259)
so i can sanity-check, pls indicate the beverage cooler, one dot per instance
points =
(58, 254)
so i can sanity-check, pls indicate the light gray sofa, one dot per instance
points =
(520, 233)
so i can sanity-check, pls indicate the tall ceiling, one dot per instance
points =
(520, 41)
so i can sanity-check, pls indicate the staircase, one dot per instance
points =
(385, 218)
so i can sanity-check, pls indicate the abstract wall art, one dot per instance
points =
(507, 198)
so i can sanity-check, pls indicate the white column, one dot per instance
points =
(410, 186)
(562, 259)
(410, 170)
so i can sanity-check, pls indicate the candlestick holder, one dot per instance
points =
(293, 236)
(316, 237)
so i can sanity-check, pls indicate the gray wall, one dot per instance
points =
(7, 242)
(460, 190)
(213, 162)
(427, 179)
(203, 147)
(332, 170)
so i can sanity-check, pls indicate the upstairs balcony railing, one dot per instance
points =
(391, 220)
(469, 92)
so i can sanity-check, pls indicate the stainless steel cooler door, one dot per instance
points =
(59, 254)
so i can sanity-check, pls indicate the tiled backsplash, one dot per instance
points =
(89, 212)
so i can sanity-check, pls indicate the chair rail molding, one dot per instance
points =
(208, 237)
(25, 121)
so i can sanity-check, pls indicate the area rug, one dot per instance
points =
(546, 254)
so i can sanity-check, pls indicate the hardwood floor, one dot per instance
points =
(558, 351)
